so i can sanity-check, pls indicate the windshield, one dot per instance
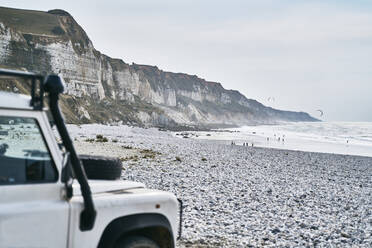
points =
(22, 138)
(24, 156)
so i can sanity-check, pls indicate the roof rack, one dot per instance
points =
(36, 100)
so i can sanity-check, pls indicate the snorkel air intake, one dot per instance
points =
(54, 85)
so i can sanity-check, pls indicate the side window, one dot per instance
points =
(24, 156)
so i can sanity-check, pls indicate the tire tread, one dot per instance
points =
(100, 167)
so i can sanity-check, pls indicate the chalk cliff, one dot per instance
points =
(104, 89)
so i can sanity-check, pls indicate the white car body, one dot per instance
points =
(39, 215)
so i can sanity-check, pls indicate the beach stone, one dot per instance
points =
(232, 200)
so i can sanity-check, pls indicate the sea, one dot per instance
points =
(351, 138)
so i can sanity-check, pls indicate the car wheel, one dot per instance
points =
(136, 242)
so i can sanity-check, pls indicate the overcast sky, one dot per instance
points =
(308, 55)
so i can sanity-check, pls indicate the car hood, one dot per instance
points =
(105, 186)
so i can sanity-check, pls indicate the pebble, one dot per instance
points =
(252, 197)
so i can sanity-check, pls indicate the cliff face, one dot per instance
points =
(100, 88)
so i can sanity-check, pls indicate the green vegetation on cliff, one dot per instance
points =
(30, 21)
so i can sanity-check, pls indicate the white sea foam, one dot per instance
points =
(353, 138)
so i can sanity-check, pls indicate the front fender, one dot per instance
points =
(118, 205)
(125, 225)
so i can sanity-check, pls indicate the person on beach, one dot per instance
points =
(3, 148)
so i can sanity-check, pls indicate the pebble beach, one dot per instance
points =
(239, 196)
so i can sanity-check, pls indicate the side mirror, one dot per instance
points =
(67, 177)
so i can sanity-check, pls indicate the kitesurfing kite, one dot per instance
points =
(320, 112)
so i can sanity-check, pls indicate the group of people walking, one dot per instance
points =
(244, 143)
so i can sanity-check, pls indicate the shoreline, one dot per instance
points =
(238, 196)
(329, 137)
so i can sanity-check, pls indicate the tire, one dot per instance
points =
(99, 167)
(136, 242)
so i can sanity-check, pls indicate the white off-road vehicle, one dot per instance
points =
(46, 199)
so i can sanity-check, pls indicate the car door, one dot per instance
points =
(33, 211)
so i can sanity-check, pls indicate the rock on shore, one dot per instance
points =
(238, 196)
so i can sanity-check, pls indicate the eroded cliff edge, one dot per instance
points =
(103, 89)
